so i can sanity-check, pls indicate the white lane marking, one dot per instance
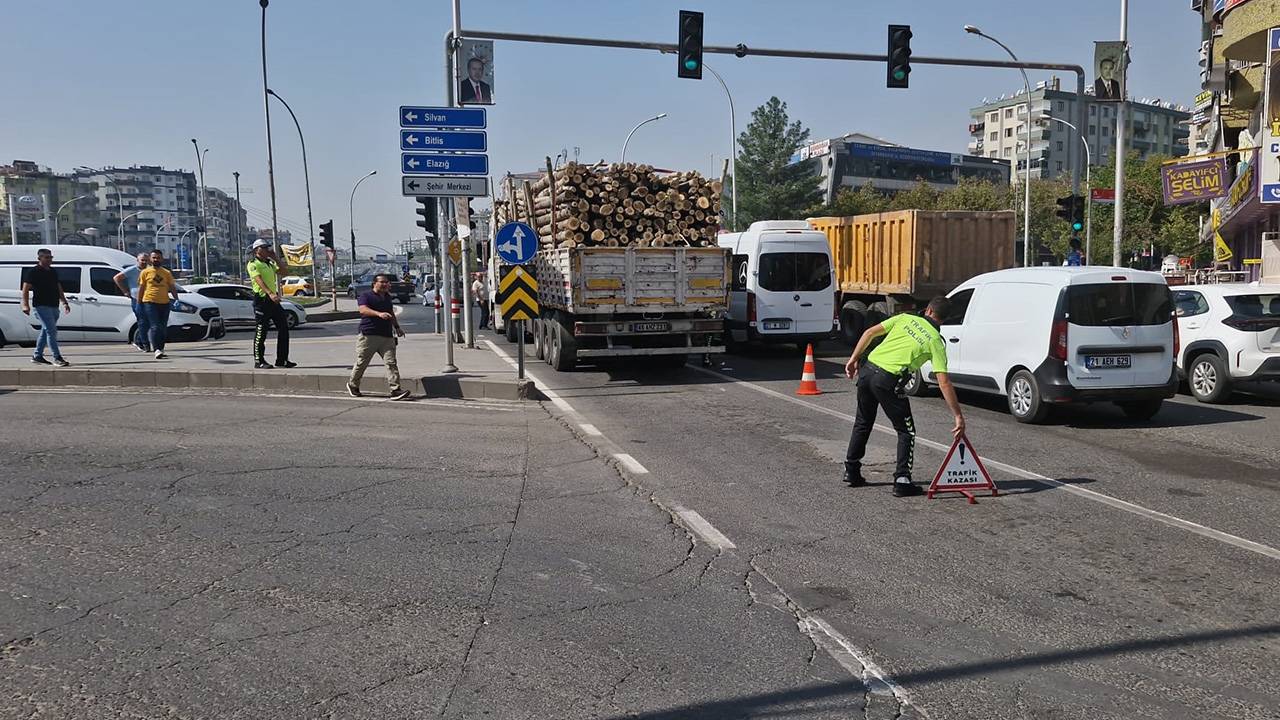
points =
(490, 405)
(856, 662)
(632, 465)
(705, 530)
(1117, 503)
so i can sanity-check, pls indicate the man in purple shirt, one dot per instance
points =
(379, 330)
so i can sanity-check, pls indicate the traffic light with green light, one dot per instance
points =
(689, 48)
(899, 56)
(1071, 209)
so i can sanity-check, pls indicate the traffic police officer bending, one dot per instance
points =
(911, 340)
(263, 273)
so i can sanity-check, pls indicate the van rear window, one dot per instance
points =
(1118, 304)
(794, 272)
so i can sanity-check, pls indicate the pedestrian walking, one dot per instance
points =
(480, 291)
(379, 333)
(42, 292)
(127, 281)
(910, 341)
(156, 288)
(263, 277)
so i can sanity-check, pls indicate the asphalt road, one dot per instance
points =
(1127, 569)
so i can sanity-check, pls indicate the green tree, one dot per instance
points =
(1147, 220)
(921, 196)
(771, 188)
(976, 195)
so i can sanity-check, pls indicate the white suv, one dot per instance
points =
(1230, 333)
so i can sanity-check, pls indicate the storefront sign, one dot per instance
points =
(1244, 189)
(1204, 100)
(1269, 137)
(1221, 251)
(1232, 5)
(820, 148)
(1194, 181)
(899, 154)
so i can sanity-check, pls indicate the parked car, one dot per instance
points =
(291, 285)
(1230, 334)
(1047, 336)
(99, 312)
(400, 289)
(236, 304)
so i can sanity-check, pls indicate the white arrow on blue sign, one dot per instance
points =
(516, 243)
(451, 140)
(416, 116)
(441, 164)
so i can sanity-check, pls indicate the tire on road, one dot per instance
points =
(539, 340)
(564, 348)
(510, 331)
(877, 313)
(916, 386)
(1026, 404)
(1208, 378)
(291, 319)
(853, 321)
(1141, 409)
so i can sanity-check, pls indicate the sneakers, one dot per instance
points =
(262, 365)
(40, 361)
(142, 348)
(903, 487)
(854, 478)
(60, 362)
(354, 391)
(399, 395)
(160, 355)
(286, 364)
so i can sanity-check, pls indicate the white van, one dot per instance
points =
(782, 289)
(98, 311)
(1051, 335)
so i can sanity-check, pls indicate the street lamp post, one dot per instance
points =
(266, 106)
(122, 221)
(239, 232)
(351, 220)
(733, 150)
(659, 116)
(1026, 195)
(1088, 191)
(202, 205)
(306, 181)
(59, 212)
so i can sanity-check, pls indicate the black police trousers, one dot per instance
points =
(265, 313)
(878, 388)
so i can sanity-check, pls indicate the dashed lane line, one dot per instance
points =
(1117, 503)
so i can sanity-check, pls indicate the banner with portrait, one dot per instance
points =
(475, 72)
(1109, 70)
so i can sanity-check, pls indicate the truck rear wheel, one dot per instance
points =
(877, 313)
(539, 339)
(853, 321)
(564, 348)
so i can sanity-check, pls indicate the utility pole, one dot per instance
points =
(468, 332)
(239, 233)
(1122, 122)
(266, 104)
(48, 224)
(202, 206)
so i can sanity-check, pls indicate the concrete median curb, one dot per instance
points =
(458, 386)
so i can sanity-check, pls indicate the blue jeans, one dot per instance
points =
(158, 320)
(140, 336)
(48, 331)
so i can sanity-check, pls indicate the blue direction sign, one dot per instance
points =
(441, 164)
(452, 140)
(413, 116)
(516, 243)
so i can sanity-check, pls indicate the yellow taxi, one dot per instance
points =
(293, 285)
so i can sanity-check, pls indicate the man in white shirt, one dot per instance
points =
(480, 292)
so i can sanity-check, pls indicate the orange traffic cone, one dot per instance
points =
(809, 380)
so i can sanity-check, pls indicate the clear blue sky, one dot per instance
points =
(130, 82)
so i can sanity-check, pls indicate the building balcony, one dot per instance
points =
(1244, 30)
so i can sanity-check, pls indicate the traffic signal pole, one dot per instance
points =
(741, 50)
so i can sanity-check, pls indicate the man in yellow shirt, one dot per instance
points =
(155, 288)
(263, 278)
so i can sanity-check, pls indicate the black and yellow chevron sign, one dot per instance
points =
(518, 294)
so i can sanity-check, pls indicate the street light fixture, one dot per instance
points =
(122, 221)
(1026, 198)
(659, 116)
(119, 197)
(306, 178)
(1088, 191)
(733, 149)
(351, 220)
(202, 205)
(59, 212)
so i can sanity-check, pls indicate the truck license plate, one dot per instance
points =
(1106, 362)
(650, 327)
(777, 324)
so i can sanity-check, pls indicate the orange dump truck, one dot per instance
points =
(887, 262)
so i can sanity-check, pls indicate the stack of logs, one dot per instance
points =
(619, 205)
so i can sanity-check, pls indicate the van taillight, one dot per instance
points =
(1058, 341)
(1177, 340)
(751, 309)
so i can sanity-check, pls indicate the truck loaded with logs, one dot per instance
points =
(628, 265)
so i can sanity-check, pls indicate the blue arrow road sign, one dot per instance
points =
(452, 140)
(516, 243)
(441, 164)
(413, 116)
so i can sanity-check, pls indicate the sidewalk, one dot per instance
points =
(324, 355)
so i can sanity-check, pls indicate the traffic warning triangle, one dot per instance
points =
(961, 472)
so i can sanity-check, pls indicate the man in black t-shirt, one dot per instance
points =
(378, 332)
(42, 291)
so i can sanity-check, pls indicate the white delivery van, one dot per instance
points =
(782, 289)
(98, 311)
(1045, 336)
